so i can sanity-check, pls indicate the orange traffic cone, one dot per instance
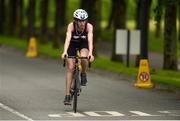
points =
(143, 78)
(32, 49)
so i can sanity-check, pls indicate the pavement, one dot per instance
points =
(34, 89)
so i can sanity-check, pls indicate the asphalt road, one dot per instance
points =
(34, 89)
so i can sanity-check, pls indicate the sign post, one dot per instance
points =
(127, 43)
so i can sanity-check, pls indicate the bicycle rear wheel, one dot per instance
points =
(75, 96)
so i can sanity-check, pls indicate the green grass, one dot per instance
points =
(164, 77)
(105, 63)
(167, 77)
(171, 78)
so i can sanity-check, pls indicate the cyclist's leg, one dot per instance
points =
(69, 74)
(84, 53)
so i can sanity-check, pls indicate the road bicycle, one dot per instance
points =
(76, 84)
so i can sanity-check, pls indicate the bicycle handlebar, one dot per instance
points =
(75, 57)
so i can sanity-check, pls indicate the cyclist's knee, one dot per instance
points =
(70, 68)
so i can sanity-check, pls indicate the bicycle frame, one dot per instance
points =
(75, 84)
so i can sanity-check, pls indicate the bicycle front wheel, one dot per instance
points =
(75, 96)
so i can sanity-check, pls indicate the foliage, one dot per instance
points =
(162, 5)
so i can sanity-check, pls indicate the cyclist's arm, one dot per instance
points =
(68, 37)
(90, 37)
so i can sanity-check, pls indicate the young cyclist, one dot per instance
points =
(79, 36)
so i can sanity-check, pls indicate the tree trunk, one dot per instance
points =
(31, 19)
(59, 20)
(56, 42)
(110, 21)
(2, 16)
(158, 24)
(12, 17)
(138, 7)
(179, 21)
(63, 13)
(19, 15)
(44, 14)
(119, 23)
(170, 40)
(21, 18)
(144, 26)
(142, 23)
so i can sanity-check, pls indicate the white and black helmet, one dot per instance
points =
(80, 14)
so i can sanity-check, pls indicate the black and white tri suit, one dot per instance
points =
(79, 40)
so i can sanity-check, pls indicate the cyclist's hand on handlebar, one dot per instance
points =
(64, 55)
(91, 57)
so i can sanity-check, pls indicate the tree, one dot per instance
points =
(93, 18)
(63, 13)
(12, 16)
(19, 15)
(110, 21)
(138, 14)
(2, 16)
(170, 40)
(59, 21)
(142, 23)
(158, 24)
(179, 20)
(138, 8)
(119, 22)
(31, 19)
(44, 14)
(144, 27)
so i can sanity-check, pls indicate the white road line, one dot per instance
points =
(114, 113)
(165, 112)
(108, 113)
(54, 115)
(15, 112)
(91, 113)
(169, 113)
(139, 113)
(76, 114)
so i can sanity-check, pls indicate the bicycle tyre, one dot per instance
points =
(75, 96)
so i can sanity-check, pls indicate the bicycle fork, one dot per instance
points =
(78, 84)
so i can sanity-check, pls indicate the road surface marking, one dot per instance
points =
(165, 112)
(170, 113)
(107, 113)
(114, 113)
(76, 114)
(67, 114)
(54, 115)
(139, 113)
(91, 113)
(15, 112)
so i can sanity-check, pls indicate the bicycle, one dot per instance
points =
(75, 84)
